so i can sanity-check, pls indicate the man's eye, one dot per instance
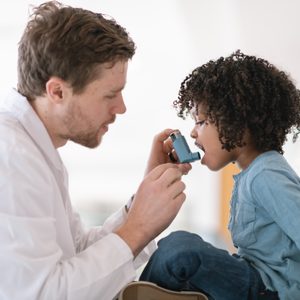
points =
(110, 96)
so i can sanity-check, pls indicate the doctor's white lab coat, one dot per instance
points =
(45, 252)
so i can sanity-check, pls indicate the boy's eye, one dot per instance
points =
(200, 123)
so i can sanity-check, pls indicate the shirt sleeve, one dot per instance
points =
(33, 259)
(85, 237)
(33, 219)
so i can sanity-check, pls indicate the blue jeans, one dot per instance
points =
(183, 261)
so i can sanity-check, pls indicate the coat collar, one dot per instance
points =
(18, 106)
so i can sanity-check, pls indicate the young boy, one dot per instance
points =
(243, 108)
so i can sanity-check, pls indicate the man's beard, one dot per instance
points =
(90, 140)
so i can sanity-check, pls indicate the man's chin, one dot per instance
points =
(90, 143)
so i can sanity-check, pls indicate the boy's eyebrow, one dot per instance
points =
(196, 114)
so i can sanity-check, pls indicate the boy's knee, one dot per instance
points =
(180, 244)
(180, 240)
(178, 254)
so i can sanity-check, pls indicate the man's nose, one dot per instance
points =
(120, 107)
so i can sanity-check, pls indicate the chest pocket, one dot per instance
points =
(242, 223)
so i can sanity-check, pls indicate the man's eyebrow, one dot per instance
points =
(117, 89)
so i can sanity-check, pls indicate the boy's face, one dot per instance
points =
(206, 138)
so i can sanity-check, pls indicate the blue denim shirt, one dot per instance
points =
(265, 222)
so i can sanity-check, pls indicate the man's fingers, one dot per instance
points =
(169, 172)
(163, 135)
(185, 168)
(176, 188)
(170, 176)
(159, 170)
(179, 199)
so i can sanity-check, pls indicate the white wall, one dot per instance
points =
(172, 37)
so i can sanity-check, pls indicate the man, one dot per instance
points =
(72, 69)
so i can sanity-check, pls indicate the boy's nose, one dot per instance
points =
(193, 133)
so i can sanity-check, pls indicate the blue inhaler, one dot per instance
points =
(182, 149)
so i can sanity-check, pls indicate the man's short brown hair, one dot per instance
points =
(69, 43)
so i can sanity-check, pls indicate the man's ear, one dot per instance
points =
(56, 89)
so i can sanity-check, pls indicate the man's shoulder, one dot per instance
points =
(11, 131)
(16, 145)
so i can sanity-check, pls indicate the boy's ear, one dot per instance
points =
(56, 89)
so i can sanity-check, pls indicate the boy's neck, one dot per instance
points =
(246, 156)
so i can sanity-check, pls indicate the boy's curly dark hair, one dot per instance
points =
(244, 92)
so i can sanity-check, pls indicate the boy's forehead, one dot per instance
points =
(197, 110)
(194, 111)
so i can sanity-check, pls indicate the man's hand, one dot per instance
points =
(156, 203)
(162, 145)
